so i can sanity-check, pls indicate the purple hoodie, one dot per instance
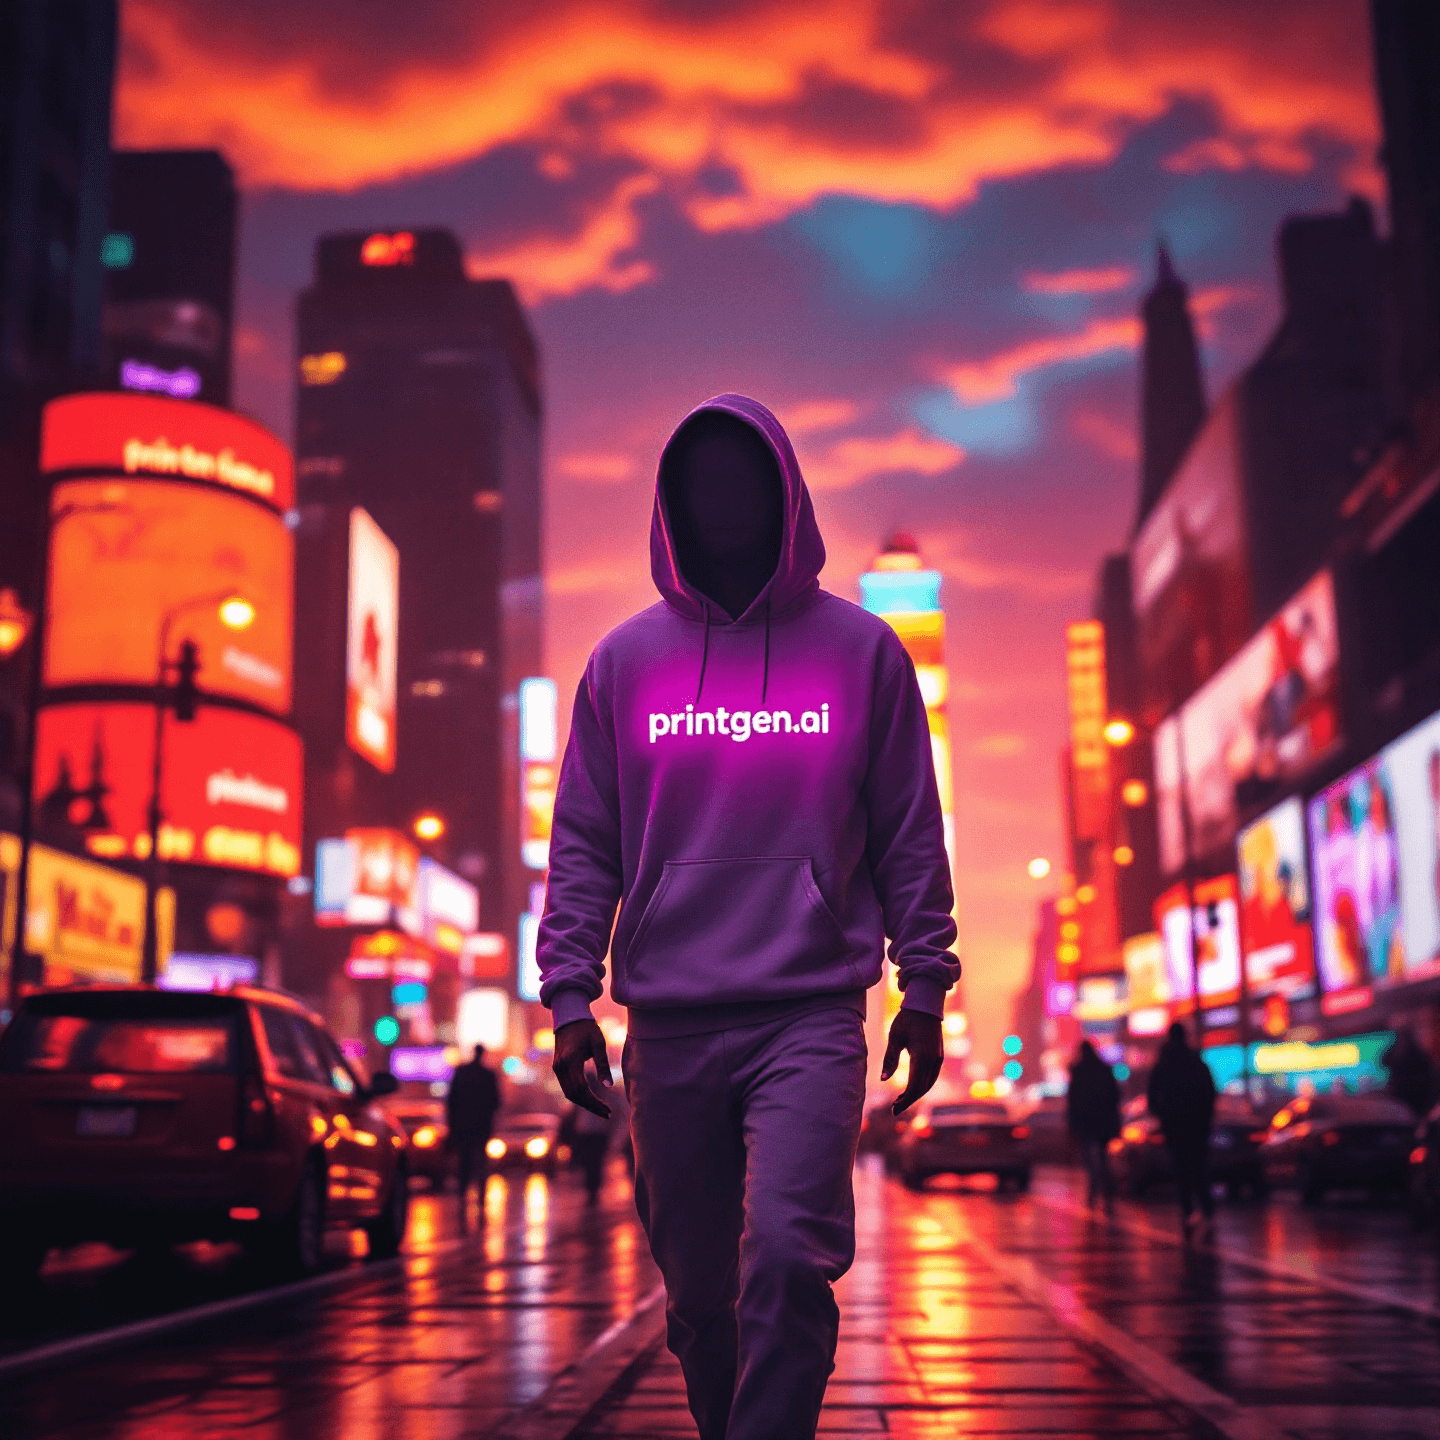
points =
(757, 795)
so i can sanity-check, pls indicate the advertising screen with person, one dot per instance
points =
(1375, 846)
(1275, 905)
(371, 652)
(1216, 944)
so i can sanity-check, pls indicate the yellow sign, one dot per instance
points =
(86, 920)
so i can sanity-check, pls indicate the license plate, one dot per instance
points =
(110, 1122)
(974, 1137)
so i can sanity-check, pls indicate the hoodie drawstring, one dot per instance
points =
(704, 658)
(765, 673)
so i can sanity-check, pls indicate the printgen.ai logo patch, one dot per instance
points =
(739, 725)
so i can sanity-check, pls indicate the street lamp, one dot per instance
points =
(1038, 868)
(428, 826)
(35, 629)
(14, 623)
(235, 613)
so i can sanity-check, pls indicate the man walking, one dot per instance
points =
(749, 778)
(1092, 1108)
(470, 1107)
(1181, 1096)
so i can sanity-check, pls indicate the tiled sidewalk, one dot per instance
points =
(932, 1344)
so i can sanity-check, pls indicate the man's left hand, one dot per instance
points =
(920, 1035)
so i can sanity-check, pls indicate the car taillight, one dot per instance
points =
(1417, 1155)
(256, 1124)
(1330, 1137)
(1020, 1132)
(921, 1127)
(1256, 1136)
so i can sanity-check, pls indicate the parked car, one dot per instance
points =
(971, 1137)
(1050, 1132)
(424, 1124)
(526, 1142)
(1330, 1142)
(1425, 1170)
(880, 1129)
(140, 1116)
(1141, 1159)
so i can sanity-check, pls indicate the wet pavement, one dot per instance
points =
(967, 1313)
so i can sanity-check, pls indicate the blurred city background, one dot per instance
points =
(334, 363)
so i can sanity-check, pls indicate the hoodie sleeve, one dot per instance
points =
(585, 873)
(906, 846)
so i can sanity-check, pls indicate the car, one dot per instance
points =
(1050, 1132)
(881, 1129)
(1425, 1170)
(525, 1142)
(140, 1116)
(969, 1137)
(1320, 1143)
(1141, 1159)
(424, 1124)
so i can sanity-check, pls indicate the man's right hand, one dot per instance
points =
(575, 1043)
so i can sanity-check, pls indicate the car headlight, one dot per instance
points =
(425, 1137)
(496, 1148)
(537, 1148)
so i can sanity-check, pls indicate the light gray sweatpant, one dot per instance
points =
(744, 1146)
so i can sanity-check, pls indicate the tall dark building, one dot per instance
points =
(1172, 392)
(419, 403)
(1407, 64)
(57, 61)
(170, 273)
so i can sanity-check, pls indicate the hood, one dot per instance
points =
(802, 551)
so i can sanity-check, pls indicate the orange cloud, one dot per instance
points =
(812, 415)
(605, 469)
(792, 99)
(1107, 436)
(849, 462)
(997, 377)
(1080, 282)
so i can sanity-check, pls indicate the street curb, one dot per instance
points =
(1151, 1371)
(573, 1395)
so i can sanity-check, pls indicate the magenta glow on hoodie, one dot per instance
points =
(763, 836)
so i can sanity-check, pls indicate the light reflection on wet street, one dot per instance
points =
(968, 1312)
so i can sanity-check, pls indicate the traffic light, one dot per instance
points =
(387, 1029)
(1012, 1045)
(1012, 1070)
(186, 694)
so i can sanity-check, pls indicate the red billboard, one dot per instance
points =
(177, 439)
(129, 552)
(231, 795)
(372, 638)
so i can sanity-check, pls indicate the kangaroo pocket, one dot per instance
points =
(722, 931)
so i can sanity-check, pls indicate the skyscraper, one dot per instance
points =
(170, 273)
(1172, 393)
(419, 410)
(57, 60)
(1407, 65)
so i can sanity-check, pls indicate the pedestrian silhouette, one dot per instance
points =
(1181, 1096)
(1412, 1074)
(1092, 1110)
(470, 1107)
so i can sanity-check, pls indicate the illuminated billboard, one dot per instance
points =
(1189, 563)
(135, 435)
(231, 795)
(85, 920)
(1215, 943)
(1375, 848)
(372, 638)
(1148, 983)
(539, 773)
(1275, 905)
(132, 551)
(1260, 723)
(1089, 754)
(449, 907)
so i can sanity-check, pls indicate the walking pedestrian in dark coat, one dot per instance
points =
(1412, 1076)
(470, 1108)
(1092, 1109)
(1181, 1096)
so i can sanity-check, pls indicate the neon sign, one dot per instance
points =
(181, 384)
(382, 249)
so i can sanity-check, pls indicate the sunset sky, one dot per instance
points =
(919, 231)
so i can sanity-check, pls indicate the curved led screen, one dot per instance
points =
(124, 553)
(231, 793)
(155, 435)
